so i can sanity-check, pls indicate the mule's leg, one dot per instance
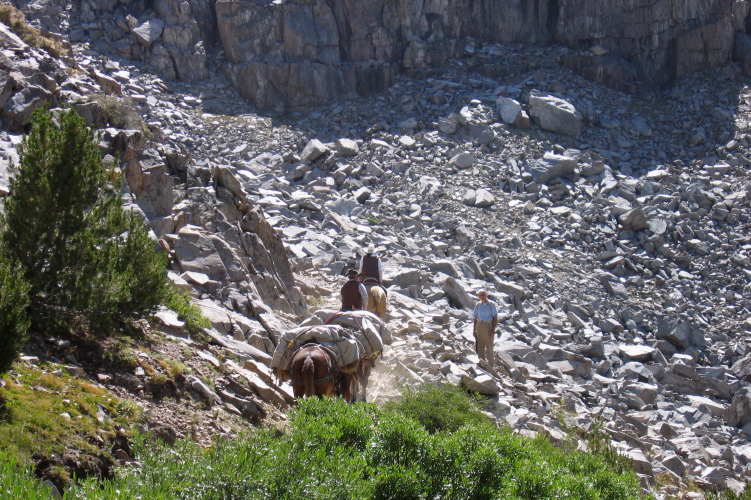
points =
(327, 388)
(326, 369)
(363, 374)
(347, 386)
(303, 373)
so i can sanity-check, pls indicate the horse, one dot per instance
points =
(376, 299)
(314, 373)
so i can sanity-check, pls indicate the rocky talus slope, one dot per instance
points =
(612, 231)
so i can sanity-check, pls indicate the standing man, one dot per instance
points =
(354, 295)
(486, 319)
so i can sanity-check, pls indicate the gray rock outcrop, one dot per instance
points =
(300, 54)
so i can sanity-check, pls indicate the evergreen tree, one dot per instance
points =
(13, 320)
(84, 256)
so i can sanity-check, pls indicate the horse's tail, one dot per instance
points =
(309, 376)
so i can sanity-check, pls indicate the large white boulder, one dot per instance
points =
(554, 114)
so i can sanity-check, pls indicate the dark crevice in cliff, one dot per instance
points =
(670, 71)
(343, 28)
(214, 38)
(206, 19)
(552, 21)
(434, 25)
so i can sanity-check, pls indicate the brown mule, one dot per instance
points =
(314, 373)
(361, 376)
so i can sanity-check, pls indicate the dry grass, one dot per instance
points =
(16, 21)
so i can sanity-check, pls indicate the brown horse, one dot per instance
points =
(314, 373)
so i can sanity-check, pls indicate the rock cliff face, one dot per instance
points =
(660, 40)
(286, 55)
(298, 54)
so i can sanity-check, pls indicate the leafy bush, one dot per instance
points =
(84, 256)
(730, 495)
(599, 442)
(438, 408)
(337, 451)
(335, 424)
(13, 319)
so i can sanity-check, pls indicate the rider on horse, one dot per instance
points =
(354, 294)
(371, 271)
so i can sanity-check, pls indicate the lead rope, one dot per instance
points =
(332, 317)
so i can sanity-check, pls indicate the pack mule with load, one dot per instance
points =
(314, 373)
(347, 343)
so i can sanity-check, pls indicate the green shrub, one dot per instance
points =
(122, 357)
(84, 256)
(399, 440)
(398, 483)
(13, 319)
(730, 495)
(330, 423)
(445, 407)
(120, 112)
(186, 310)
(337, 451)
(599, 443)
(17, 481)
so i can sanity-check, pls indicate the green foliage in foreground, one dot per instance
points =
(439, 408)
(16, 480)
(337, 451)
(729, 495)
(13, 318)
(84, 256)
